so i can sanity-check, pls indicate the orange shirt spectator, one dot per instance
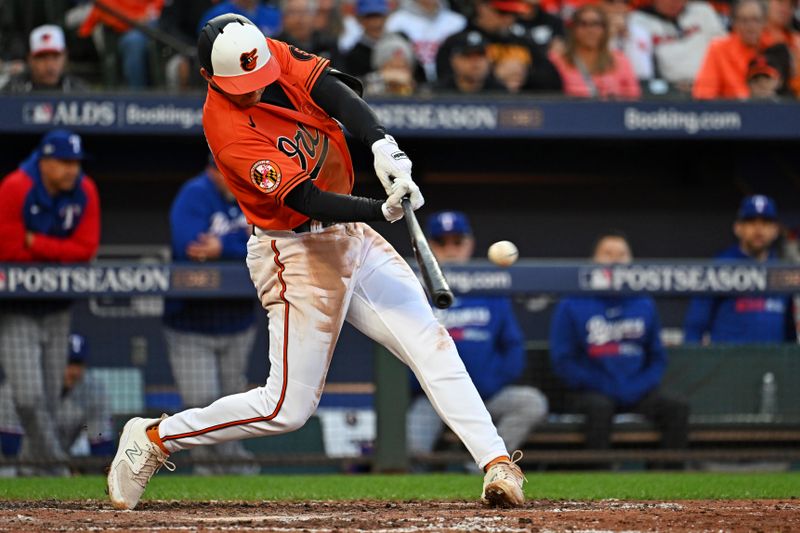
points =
(137, 10)
(723, 73)
(587, 66)
(779, 30)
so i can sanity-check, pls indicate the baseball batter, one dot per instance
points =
(270, 119)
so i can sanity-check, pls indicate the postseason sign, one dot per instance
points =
(231, 280)
(675, 278)
(77, 280)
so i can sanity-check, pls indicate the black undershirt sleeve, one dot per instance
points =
(342, 103)
(307, 199)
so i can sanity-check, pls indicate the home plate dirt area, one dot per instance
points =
(408, 516)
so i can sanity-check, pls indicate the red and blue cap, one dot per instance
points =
(757, 206)
(448, 223)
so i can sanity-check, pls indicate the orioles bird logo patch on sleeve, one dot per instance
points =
(248, 60)
(265, 175)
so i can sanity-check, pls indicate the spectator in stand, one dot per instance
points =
(264, 15)
(723, 73)
(83, 410)
(329, 20)
(372, 17)
(471, 70)
(745, 318)
(179, 19)
(49, 213)
(675, 35)
(544, 29)
(779, 30)
(393, 62)
(426, 23)
(489, 342)
(494, 19)
(565, 8)
(298, 31)
(607, 352)
(588, 66)
(623, 37)
(512, 73)
(763, 79)
(132, 45)
(209, 342)
(46, 64)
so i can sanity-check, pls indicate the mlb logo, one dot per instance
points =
(596, 279)
(39, 114)
(2, 280)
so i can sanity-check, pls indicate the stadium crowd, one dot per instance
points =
(605, 49)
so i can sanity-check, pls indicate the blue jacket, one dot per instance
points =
(488, 339)
(199, 208)
(65, 227)
(609, 345)
(266, 17)
(740, 319)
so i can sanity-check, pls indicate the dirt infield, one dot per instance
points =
(395, 517)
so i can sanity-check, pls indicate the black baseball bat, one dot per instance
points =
(435, 284)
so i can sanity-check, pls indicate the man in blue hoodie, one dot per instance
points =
(49, 213)
(210, 341)
(607, 352)
(745, 318)
(490, 344)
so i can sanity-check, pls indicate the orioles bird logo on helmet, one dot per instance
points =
(248, 60)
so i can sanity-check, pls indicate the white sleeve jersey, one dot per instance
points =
(426, 33)
(677, 49)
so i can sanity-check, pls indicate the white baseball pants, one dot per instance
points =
(309, 283)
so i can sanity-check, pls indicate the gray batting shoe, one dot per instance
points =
(137, 460)
(502, 484)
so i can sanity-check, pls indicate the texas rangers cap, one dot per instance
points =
(448, 222)
(47, 39)
(78, 349)
(372, 7)
(61, 144)
(758, 206)
(235, 53)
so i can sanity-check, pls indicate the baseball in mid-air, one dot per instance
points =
(503, 253)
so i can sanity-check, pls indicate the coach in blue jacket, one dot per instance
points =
(745, 318)
(209, 341)
(490, 344)
(607, 352)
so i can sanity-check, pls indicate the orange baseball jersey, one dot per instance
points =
(265, 151)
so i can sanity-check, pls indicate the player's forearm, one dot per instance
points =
(343, 104)
(324, 206)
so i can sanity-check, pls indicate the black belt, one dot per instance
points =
(305, 227)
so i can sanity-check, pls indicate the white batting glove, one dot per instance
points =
(392, 208)
(390, 162)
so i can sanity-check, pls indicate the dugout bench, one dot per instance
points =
(729, 420)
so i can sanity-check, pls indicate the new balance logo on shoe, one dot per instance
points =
(135, 451)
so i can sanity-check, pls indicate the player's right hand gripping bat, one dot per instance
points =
(432, 276)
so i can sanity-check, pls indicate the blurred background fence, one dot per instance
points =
(744, 399)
